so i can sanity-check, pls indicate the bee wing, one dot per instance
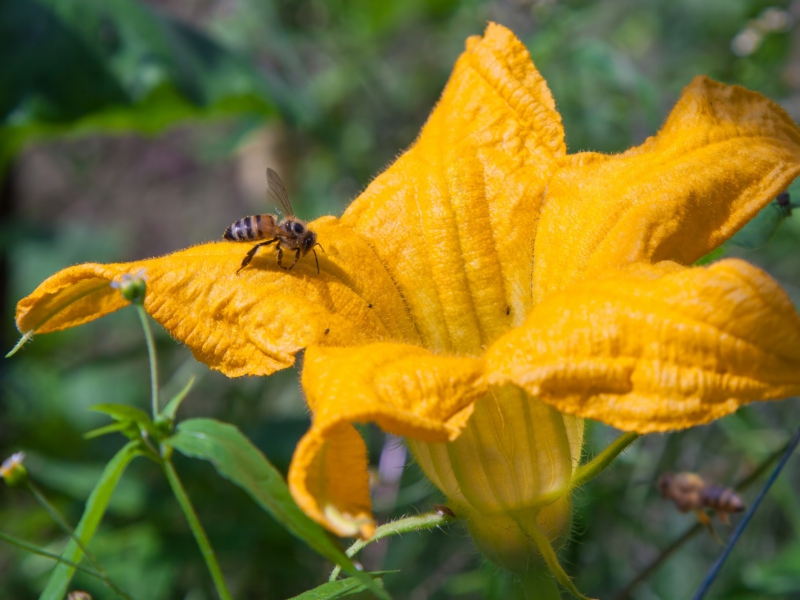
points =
(277, 194)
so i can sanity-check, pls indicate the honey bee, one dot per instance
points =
(690, 492)
(292, 234)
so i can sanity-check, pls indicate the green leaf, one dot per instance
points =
(715, 254)
(172, 406)
(760, 229)
(123, 412)
(116, 65)
(238, 460)
(100, 431)
(92, 515)
(336, 589)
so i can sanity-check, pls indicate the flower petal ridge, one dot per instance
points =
(454, 219)
(722, 155)
(657, 347)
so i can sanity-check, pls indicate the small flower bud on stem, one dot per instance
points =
(132, 287)
(13, 471)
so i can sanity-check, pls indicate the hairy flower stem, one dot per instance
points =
(408, 524)
(62, 523)
(197, 529)
(551, 560)
(595, 466)
(151, 353)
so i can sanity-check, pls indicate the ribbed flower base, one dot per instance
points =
(506, 472)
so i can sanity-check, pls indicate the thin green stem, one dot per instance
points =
(53, 512)
(151, 353)
(421, 522)
(58, 518)
(197, 529)
(22, 544)
(551, 560)
(26, 337)
(595, 466)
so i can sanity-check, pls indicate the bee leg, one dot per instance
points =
(296, 258)
(246, 260)
(703, 517)
(280, 256)
(723, 517)
(706, 520)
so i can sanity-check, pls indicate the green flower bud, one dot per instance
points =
(132, 287)
(13, 471)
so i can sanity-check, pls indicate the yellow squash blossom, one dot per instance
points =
(489, 290)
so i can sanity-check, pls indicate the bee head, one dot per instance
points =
(309, 241)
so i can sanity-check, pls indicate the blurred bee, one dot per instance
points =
(292, 234)
(690, 492)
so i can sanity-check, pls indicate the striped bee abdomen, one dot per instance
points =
(721, 498)
(254, 227)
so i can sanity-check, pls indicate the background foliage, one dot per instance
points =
(134, 128)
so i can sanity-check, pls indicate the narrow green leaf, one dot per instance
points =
(238, 460)
(92, 515)
(171, 409)
(100, 431)
(341, 588)
(123, 412)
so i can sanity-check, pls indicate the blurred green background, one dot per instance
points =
(134, 128)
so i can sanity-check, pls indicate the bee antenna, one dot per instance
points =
(320, 247)
(316, 259)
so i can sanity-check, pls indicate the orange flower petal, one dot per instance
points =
(455, 217)
(722, 155)
(247, 324)
(657, 347)
(406, 390)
